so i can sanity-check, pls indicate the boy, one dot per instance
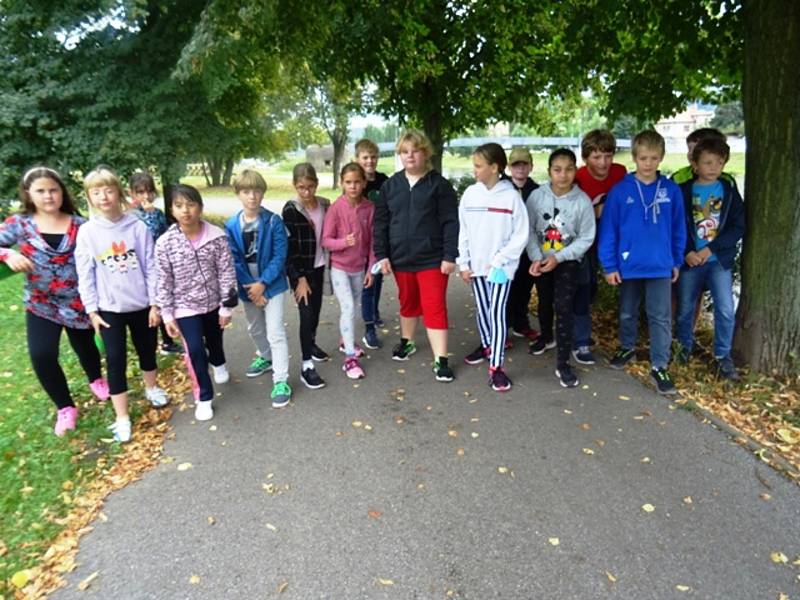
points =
(367, 157)
(258, 242)
(143, 193)
(686, 173)
(641, 245)
(596, 177)
(715, 222)
(520, 164)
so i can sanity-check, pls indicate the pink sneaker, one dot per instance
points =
(99, 388)
(66, 419)
(352, 369)
(359, 349)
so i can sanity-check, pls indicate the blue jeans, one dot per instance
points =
(658, 306)
(690, 285)
(202, 337)
(370, 299)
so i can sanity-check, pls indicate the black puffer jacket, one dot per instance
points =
(416, 228)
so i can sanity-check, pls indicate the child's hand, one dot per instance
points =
(224, 321)
(18, 263)
(466, 276)
(350, 239)
(97, 322)
(172, 329)
(153, 319)
(536, 268)
(704, 255)
(692, 259)
(368, 280)
(675, 274)
(448, 267)
(613, 278)
(255, 290)
(260, 302)
(302, 291)
(548, 264)
(386, 267)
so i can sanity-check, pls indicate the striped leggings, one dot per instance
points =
(491, 299)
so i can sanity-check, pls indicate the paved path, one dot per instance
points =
(306, 506)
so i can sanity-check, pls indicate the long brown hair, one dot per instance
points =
(31, 175)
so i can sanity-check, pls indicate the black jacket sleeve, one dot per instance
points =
(447, 211)
(734, 227)
(380, 223)
(294, 259)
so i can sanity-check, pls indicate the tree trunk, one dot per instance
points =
(432, 124)
(205, 174)
(339, 141)
(226, 176)
(215, 169)
(768, 319)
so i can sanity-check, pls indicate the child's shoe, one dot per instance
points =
(359, 350)
(370, 339)
(66, 420)
(352, 369)
(403, 350)
(498, 380)
(540, 346)
(318, 354)
(157, 397)
(663, 382)
(477, 356)
(584, 356)
(121, 430)
(621, 358)
(531, 334)
(566, 377)
(726, 369)
(221, 374)
(203, 411)
(170, 347)
(259, 366)
(442, 370)
(99, 388)
(311, 379)
(281, 394)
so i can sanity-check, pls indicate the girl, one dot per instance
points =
(117, 284)
(347, 233)
(45, 232)
(196, 291)
(416, 236)
(562, 229)
(493, 232)
(305, 264)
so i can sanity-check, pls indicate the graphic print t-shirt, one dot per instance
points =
(706, 208)
(249, 231)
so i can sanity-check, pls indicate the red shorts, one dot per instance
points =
(423, 293)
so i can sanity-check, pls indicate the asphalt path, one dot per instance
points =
(401, 487)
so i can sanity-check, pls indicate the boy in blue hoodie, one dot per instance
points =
(641, 245)
(258, 242)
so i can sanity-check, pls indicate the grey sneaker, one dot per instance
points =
(259, 366)
(281, 394)
(726, 369)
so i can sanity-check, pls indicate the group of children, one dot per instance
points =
(125, 270)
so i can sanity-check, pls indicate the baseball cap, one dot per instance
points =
(520, 155)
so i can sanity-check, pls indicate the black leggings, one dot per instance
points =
(309, 312)
(519, 297)
(115, 338)
(44, 337)
(556, 290)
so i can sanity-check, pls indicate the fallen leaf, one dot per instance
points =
(356, 424)
(611, 577)
(460, 451)
(588, 451)
(21, 578)
(474, 419)
(194, 579)
(687, 500)
(271, 527)
(778, 557)
(648, 508)
(401, 371)
(385, 581)
(211, 520)
(585, 426)
(554, 541)
(600, 443)
(624, 398)
(184, 466)
(399, 420)
(567, 411)
(212, 428)
(502, 470)
(682, 588)
(474, 434)
(88, 581)
(787, 436)
(375, 514)
(368, 427)
(783, 596)
(282, 587)
(645, 459)
(452, 433)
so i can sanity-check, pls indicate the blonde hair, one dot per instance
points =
(366, 145)
(418, 140)
(249, 180)
(650, 139)
(103, 176)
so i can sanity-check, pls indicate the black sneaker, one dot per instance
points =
(681, 354)
(584, 356)
(370, 339)
(378, 321)
(540, 346)
(663, 382)
(318, 354)
(443, 370)
(170, 347)
(727, 370)
(566, 377)
(621, 358)
(476, 356)
(498, 380)
(403, 351)
(311, 379)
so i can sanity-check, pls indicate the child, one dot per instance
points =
(715, 222)
(367, 157)
(493, 231)
(305, 265)
(117, 284)
(45, 233)
(562, 229)
(596, 177)
(347, 233)
(641, 245)
(257, 239)
(196, 291)
(519, 297)
(687, 173)
(416, 236)
(143, 193)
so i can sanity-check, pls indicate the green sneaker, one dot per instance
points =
(281, 394)
(259, 366)
(403, 351)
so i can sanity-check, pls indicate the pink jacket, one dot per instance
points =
(341, 219)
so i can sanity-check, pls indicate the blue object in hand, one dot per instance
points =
(497, 275)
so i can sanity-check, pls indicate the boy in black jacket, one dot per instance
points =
(715, 221)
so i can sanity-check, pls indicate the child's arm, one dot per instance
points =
(520, 233)
(10, 234)
(447, 211)
(243, 276)
(380, 227)
(734, 228)
(165, 298)
(293, 261)
(586, 232)
(277, 260)
(533, 249)
(608, 237)
(150, 272)
(226, 274)
(678, 226)
(331, 230)
(463, 260)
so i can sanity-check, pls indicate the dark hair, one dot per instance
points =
(31, 175)
(705, 133)
(561, 152)
(304, 171)
(353, 167)
(143, 179)
(712, 145)
(494, 155)
(188, 192)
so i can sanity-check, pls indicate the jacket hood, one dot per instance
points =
(501, 186)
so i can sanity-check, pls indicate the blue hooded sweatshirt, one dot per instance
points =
(642, 230)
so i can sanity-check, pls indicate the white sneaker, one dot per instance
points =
(122, 430)
(221, 374)
(203, 410)
(157, 397)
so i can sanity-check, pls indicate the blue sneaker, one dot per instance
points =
(370, 339)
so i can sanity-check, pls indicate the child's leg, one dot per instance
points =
(659, 319)
(257, 327)
(483, 310)
(720, 281)
(433, 301)
(145, 341)
(317, 284)
(43, 341)
(368, 305)
(545, 290)
(519, 296)
(357, 288)
(212, 333)
(499, 326)
(192, 332)
(344, 294)
(116, 342)
(276, 337)
(630, 296)
(82, 342)
(688, 288)
(565, 279)
(377, 285)
(408, 294)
